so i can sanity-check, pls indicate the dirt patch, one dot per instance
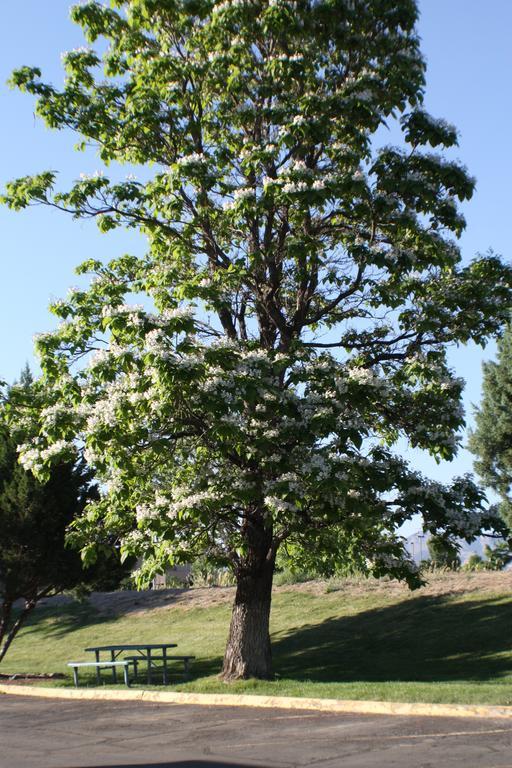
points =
(108, 603)
(24, 678)
(133, 602)
(438, 584)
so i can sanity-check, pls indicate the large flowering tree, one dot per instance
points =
(299, 291)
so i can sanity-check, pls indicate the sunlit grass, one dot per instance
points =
(372, 645)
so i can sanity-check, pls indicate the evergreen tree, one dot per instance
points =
(35, 559)
(491, 440)
(300, 288)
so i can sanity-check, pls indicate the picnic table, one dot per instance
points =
(148, 652)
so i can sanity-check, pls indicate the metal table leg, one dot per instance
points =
(114, 671)
(164, 654)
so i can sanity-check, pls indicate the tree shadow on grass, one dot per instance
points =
(424, 639)
(46, 624)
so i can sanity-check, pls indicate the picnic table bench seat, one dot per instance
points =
(185, 659)
(125, 663)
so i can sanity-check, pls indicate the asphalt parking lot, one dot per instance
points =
(53, 733)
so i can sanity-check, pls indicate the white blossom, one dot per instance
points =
(81, 49)
(295, 186)
(195, 158)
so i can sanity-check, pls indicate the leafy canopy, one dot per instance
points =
(299, 291)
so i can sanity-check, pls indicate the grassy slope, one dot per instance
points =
(440, 645)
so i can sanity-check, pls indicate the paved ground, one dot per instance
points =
(53, 733)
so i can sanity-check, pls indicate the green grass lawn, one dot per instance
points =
(373, 644)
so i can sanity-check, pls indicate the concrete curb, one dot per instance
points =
(267, 702)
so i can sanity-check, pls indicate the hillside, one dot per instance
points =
(354, 638)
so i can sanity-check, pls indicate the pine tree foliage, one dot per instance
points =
(491, 441)
(300, 288)
(36, 560)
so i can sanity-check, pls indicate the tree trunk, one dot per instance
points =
(9, 636)
(248, 652)
(5, 617)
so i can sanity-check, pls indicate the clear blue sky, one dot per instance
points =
(467, 45)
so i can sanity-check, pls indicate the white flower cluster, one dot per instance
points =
(81, 49)
(317, 464)
(51, 414)
(114, 483)
(438, 123)
(307, 182)
(155, 344)
(164, 318)
(447, 384)
(126, 391)
(227, 5)
(293, 482)
(365, 95)
(109, 311)
(393, 562)
(232, 419)
(293, 187)
(278, 505)
(42, 337)
(296, 166)
(135, 538)
(88, 176)
(430, 490)
(218, 378)
(195, 158)
(284, 57)
(91, 456)
(244, 193)
(241, 194)
(191, 501)
(150, 511)
(33, 456)
(467, 523)
(447, 439)
(366, 377)
(99, 358)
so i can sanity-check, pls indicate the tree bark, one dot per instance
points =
(248, 653)
(9, 636)
(5, 618)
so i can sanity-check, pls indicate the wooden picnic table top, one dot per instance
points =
(132, 647)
